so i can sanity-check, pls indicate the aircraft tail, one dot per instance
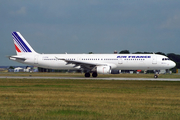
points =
(21, 45)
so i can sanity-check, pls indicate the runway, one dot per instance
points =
(91, 78)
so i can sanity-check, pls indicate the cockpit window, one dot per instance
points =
(165, 59)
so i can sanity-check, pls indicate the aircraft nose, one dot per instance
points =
(173, 64)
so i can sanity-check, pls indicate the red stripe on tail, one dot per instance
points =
(17, 49)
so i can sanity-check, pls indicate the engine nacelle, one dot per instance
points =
(103, 69)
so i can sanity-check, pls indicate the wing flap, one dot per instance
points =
(84, 65)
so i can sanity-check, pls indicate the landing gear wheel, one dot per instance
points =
(155, 76)
(94, 74)
(87, 75)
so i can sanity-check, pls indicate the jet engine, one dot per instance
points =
(103, 69)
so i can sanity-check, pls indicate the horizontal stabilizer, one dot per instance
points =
(16, 58)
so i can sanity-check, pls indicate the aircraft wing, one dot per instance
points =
(84, 65)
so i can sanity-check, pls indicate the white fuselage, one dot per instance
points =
(116, 61)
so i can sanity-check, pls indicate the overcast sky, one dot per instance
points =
(82, 26)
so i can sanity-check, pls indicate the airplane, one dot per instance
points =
(89, 63)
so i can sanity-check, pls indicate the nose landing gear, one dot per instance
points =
(155, 76)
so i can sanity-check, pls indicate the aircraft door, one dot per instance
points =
(36, 59)
(79, 58)
(120, 61)
(154, 60)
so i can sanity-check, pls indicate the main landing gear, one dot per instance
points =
(94, 74)
(87, 75)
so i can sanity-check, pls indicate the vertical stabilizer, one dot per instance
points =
(21, 45)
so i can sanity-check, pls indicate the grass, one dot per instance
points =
(82, 75)
(88, 99)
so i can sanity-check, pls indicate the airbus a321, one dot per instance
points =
(89, 63)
